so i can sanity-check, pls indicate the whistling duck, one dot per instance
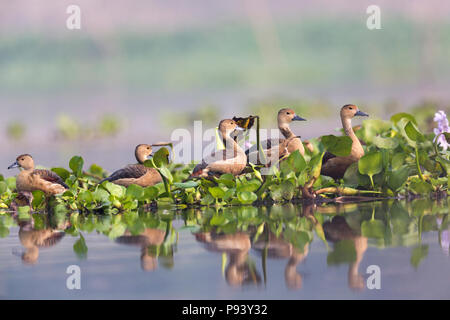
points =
(281, 146)
(334, 166)
(33, 240)
(279, 248)
(236, 246)
(30, 179)
(232, 159)
(146, 240)
(338, 230)
(137, 173)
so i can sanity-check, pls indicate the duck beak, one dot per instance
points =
(297, 118)
(361, 114)
(14, 165)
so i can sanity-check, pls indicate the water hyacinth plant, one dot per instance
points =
(400, 161)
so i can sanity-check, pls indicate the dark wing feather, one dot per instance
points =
(50, 176)
(327, 156)
(133, 171)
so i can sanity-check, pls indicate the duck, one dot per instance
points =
(283, 146)
(147, 240)
(137, 174)
(231, 160)
(334, 166)
(238, 271)
(30, 179)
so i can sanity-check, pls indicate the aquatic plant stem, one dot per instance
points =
(418, 165)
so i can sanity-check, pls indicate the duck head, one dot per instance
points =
(227, 127)
(350, 110)
(287, 115)
(24, 161)
(143, 152)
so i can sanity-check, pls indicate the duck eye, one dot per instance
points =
(288, 112)
(350, 108)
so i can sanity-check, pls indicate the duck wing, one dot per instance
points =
(133, 171)
(50, 176)
(219, 158)
(327, 156)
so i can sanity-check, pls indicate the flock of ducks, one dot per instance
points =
(233, 159)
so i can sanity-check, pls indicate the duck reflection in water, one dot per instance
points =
(240, 269)
(279, 248)
(151, 242)
(338, 230)
(33, 240)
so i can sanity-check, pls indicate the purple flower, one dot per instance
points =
(441, 118)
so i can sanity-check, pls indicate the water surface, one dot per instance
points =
(281, 252)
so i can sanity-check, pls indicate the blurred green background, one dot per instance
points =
(139, 69)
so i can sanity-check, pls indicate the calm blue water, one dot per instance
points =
(215, 261)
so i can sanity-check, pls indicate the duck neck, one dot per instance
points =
(285, 130)
(347, 125)
(140, 158)
(357, 149)
(231, 144)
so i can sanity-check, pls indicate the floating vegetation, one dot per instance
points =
(400, 161)
(346, 229)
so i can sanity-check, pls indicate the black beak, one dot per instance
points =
(297, 118)
(362, 114)
(14, 165)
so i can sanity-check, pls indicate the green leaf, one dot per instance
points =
(151, 193)
(11, 183)
(398, 160)
(3, 187)
(397, 178)
(385, 143)
(373, 228)
(96, 170)
(293, 163)
(216, 192)
(63, 173)
(250, 185)
(420, 187)
(339, 146)
(228, 180)
(135, 192)
(413, 133)
(38, 199)
(166, 174)
(114, 189)
(161, 157)
(76, 164)
(246, 197)
(101, 195)
(397, 117)
(371, 163)
(80, 248)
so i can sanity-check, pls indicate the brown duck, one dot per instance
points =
(232, 159)
(31, 179)
(137, 173)
(334, 166)
(282, 146)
